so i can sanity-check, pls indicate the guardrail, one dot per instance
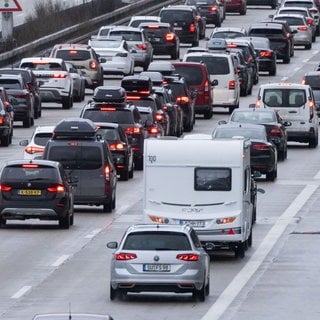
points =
(81, 32)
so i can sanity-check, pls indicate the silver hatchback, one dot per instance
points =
(159, 258)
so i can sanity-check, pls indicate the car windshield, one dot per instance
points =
(109, 134)
(176, 16)
(287, 98)
(253, 117)
(118, 116)
(192, 75)
(157, 241)
(127, 35)
(73, 55)
(292, 21)
(215, 65)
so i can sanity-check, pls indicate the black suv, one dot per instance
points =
(163, 38)
(110, 105)
(35, 189)
(277, 34)
(184, 20)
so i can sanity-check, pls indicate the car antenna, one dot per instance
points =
(70, 316)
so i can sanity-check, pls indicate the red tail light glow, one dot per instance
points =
(133, 130)
(213, 9)
(265, 54)
(29, 166)
(153, 130)
(5, 188)
(232, 84)
(170, 36)
(304, 81)
(116, 146)
(188, 257)
(309, 21)
(192, 27)
(206, 86)
(1, 120)
(159, 117)
(59, 76)
(93, 64)
(260, 147)
(153, 26)
(183, 99)
(303, 28)
(275, 132)
(125, 256)
(59, 188)
(142, 46)
(108, 109)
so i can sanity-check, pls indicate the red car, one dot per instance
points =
(239, 6)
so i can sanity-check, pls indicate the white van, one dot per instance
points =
(295, 103)
(202, 182)
(221, 67)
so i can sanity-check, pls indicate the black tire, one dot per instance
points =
(107, 207)
(249, 241)
(3, 222)
(287, 59)
(218, 24)
(208, 114)
(313, 142)
(113, 293)
(240, 250)
(243, 11)
(271, 176)
(27, 123)
(131, 172)
(207, 287)
(200, 295)
(138, 164)
(5, 141)
(113, 203)
(254, 213)
(282, 154)
(64, 222)
(273, 71)
(124, 176)
(175, 54)
(308, 46)
(67, 103)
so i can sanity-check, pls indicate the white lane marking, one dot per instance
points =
(21, 292)
(296, 69)
(284, 78)
(92, 234)
(304, 61)
(244, 275)
(60, 260)
(315, 52)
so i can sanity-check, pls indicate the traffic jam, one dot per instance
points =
(163, 148)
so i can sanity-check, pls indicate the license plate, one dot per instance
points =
(156, 267)
(178, 28)
(155, 39)
(194, 223)
(29, 192)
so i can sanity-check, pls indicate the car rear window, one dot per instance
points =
(192, 75)
(77, 157)
(292, 21)
(116, 116)
(215, 65)
(304, 4)
(10, 84)
(302, 12)
(127, 35)
(176, 16)
(200, 2)
(227, 34)
(313, 81)
(73, 55)
(42, 138)
(212, 179)
(42, 66)
(109, 134)
(21, 174)
(157, 241)
(251, 133)
(286, 98)
(261, 31)
(253, 117)
(137, 22)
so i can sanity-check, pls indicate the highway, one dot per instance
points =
(46, 269)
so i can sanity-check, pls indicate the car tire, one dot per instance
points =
(308, 46)
(124, 176)
(240, 250)
(271, 176)
(27, 123)
(249, 241)
(313, 142)
(113, 293)
(175, 54)
(138, 164)
(282, 154)
(131, 172)
(200, 295)
(273, 71)
(107, 207)
(208, 114)
(113, 202)
(5, 141)
(67, 103)
(287, 58)
(64, 222)
(243, 11)
(3, 222)
(207, 287)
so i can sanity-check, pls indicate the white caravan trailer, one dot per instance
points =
(202, 182)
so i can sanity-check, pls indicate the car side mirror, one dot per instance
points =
(271, 16)
(102, 60)
(23, 143)
(287, 123)
(222, 122)
(294, 31)
(214, 82)
(112, 245)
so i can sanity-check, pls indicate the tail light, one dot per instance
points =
(260, 146)
(59, 188)
(183, 99)
(192, 27)
(1, 120)
(206, 86)
(238, 70)
(212, 9)
(265, 54)
(33, 149)
(59, 75)
(309, 21)
(116, 146)
(170, 36)
(133, 130)
(303, 28)
(275, 131)
(311, 106)
(125, 256)
(153, 130)
(258, 103)
(188, 257)
(108, 109)
(93, 64)
(232, 85)
(142, 46)
(159, 117)
(4, 188)
(107, 177)
(304, 81)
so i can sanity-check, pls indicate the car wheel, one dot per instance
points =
(27, 123)
(287, 58)
(308, 46)
(243, 11)
(313, 142)
(282, 154)
(207, 288)
(271, 176)
(175, 54)
(67, 103)
(273, 71)
(240, 250)
(3, 222)
(5, 141)
(138, 165)
(107, 207)
(249, 241)
(113, 293)
(113, 203)
(64, 222)
(318, 30)
(124, 176)
(218, 24)
(200, 295)
(131, 172)
(208, 114)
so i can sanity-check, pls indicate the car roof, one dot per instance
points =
(294, 15)
(125, 28)
(39, 59)
(284, 85)
(218, 29)
(160, 24)
(107, 125)
(312, 73)
(264, 25)
(34, 161)
(41, 129)
(179, 7)
(158, 228)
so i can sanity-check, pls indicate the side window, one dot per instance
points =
(195, 239)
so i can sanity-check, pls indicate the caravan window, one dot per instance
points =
(212, 179)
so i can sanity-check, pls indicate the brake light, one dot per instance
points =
(33, 149)
(183, 99)
(5, 188)
(311, 106)
(29, 166)
(107, 172)
(133, 130)
(192, 27)
(116, 146)
(125, 256)
(170, 36)
(309, 21)
(258, 103)
(275, 132)
(59, 188)
(159, 117)
(142, 46)
(108, 109)
(212, 9)
(265, 54)
(153, 130)
(1, 120)
(303, 28)
(232, 45)
(133, 98)
(206, 86)
(188, 257)
(153, 27)
(59, 76)
(260, 147)
(304, 81)
(232, 85)
(93, 64)
(73, 51)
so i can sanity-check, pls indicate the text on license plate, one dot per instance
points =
(29, 192)
(194, 223)
(156, 267)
